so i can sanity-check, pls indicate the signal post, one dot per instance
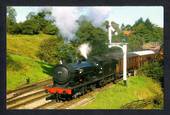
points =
(121, 45)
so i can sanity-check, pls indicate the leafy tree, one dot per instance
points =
(148, 24)
(29, 27)
(94, 35)
(138, 22)
(11, 19)
(43, 21)
(43, 18)
(140, 33)
(153, 70)
(16, 28)
(122, 27)
(54, 49)
(11, 15)
(135, 43)
(51, 29)
(30, 15)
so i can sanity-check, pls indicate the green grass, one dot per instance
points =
(19, 68)
(22, 62)
(117, 95)
(25, 45)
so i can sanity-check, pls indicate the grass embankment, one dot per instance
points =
(117, 95)
(22, 62)
(25, 45)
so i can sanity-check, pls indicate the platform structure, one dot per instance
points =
(121, 45)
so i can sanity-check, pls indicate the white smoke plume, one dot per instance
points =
(84, 49)
(98, 14)
(66, 18)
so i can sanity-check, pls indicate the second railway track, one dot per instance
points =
(26, 95)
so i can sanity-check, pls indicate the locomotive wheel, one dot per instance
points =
(82, 90)
(85, 89)
(57, 98)
(101, 83)
(92, 87)
(114, 81)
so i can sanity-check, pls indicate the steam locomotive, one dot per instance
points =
(75, 79)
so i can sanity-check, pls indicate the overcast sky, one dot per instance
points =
(124, 14)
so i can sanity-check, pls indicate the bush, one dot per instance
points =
(50, 29)
(13, 65)
(153, 70)
(30, 27)
(14, 29)
(54, 49)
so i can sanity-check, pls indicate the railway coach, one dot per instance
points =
(134, 60)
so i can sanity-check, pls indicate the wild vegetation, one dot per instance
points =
(153, 70)
(140, 89)
(54, 49)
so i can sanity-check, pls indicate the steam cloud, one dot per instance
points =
(84, 49)
(98, 14)
(66, 18)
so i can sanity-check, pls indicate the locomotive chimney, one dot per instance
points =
(81, 59)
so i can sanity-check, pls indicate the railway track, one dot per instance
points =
(67, 104)
(34, 98)
(26, 95)
(15, 93)
(84, 99)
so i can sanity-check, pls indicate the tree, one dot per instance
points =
(43, 18)
(51, 29)
(43, 21)
(148, 24)
(139, 21)
(11, 15)
(11, 19)
(122, 27)
(54, 49)
(30, 15)
(153, 70)
(29, 27)
(16, 28)
(96, 36)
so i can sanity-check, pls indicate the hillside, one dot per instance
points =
(116, 96)
(25, 45)
(22, 62)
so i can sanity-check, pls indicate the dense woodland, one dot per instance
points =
(58, 48)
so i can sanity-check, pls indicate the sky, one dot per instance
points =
(66, 16)
(121, 15)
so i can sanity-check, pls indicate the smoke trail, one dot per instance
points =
(66, 18)
(98, 14)
(84, 49)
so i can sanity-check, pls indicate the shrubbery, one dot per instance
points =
(14, 28)
(153, 70)
(30, 27)
(51, 30)
(53, 50)
(13, 65)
